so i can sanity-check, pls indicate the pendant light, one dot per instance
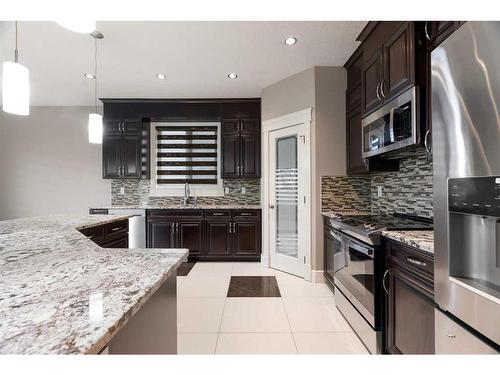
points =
(16, 85)
(95, 119)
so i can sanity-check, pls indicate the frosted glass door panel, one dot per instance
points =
(286, 181)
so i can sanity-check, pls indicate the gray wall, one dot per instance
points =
(289, 95)
(47, 164)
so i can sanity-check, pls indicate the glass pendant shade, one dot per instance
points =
(95, 128)
(15, 88)
(79, 25)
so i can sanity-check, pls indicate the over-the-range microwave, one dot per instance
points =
(392, 127)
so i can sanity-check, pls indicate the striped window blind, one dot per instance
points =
(186, 154)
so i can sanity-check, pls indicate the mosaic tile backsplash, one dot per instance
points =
(137, 194)
(408, 190)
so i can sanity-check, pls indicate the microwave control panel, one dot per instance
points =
(474, 195)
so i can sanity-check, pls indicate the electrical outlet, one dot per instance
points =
(226, 190)
(243, 190)
(379, 191)
(122, 191)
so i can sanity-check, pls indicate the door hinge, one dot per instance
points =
(304, 259)
(303, 138)
(304, 199)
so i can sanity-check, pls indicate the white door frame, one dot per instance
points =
(302, 117)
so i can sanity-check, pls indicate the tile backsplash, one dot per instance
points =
(408, 190)
(137, 194)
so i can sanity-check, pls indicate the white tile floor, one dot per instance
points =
(303, 321)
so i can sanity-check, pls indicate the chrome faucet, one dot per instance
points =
(187, 192)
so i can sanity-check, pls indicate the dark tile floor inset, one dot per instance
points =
(253, 286)
(184, 268)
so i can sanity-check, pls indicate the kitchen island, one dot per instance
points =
(60, 293)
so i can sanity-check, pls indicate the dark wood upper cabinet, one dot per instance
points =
(241, 148)
(437, 31)
(409, 300)
(355, 162)
(131, 158)
(371, 78)
(391, 51)
(111, 155)
(398, 62)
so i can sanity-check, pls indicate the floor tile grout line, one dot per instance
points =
(220, 324)
(290, 325)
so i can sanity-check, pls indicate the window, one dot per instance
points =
(186, 152)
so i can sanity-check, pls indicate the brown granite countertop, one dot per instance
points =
(420, 239)
(60, 293)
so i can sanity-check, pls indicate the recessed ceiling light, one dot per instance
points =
(89, 75)
(290, 41)
(232, 75)
(161, 76)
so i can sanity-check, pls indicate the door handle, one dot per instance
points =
(383, 281)
(382, 86)
(426, 30)
(427, 146)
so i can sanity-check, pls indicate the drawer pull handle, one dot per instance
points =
(90, 237)
(115, 229)
(416, 262)
(218, 214)
(246, 214)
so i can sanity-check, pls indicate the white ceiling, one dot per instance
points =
(196, 57)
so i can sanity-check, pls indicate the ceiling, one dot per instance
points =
(195, 56)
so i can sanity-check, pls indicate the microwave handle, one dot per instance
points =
(391, 124)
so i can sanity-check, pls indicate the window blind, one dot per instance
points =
(186, 154)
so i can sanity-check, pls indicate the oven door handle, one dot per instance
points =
(335, 236)
(362, 249)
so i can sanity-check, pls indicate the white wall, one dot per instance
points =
(323, 89)
(47, 165)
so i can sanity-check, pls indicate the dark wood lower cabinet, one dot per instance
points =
(111, 235)
(211, 235)
(409, 306)
(246, 238)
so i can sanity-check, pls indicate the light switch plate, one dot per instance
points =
(226, 190)
(243, 190)
(122, 191)
(379, 191)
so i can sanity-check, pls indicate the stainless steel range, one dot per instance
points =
(354, 267)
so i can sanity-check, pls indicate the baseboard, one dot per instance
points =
(317, 276)
(264, 260)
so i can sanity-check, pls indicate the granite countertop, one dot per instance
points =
(420, 239)
(60, 293)
(189, 207)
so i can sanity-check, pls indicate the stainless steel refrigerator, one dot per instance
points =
(466, 162)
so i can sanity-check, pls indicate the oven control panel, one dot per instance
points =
(474, 195)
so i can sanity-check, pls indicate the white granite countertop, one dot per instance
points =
(60, 293)
(420, 239)
(190, 207)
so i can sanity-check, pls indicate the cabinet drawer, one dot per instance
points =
(410, 257)
(241, 214)
(115, 229)
(175, 213)
(214, 214)
(95, 234)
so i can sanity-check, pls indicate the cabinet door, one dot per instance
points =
(231, 150)
(398, 62)
(371, 76)
(218, 238)
(250, 155)
(437, 31)
(355, 162)
(230, 126)
(131, 157)
(246, 238)
(111, 155)
(161, 234)
(250, 125)
(190, 236)
(410, 317)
